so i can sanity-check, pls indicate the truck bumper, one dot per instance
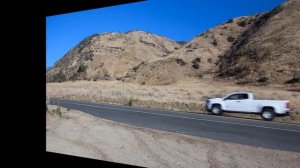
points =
(207, 108)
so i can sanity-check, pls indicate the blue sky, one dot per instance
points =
(179, 20)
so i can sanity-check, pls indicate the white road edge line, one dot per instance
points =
(182, 112)
(224, 122)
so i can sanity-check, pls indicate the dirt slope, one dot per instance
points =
(197, 58)
(269, 52)
(111, 55)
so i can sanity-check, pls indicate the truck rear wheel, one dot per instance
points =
(216, 109)
(267, 114)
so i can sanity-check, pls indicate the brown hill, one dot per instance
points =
(269, 52)
(263, 48)
(110, 55)
(197, 58)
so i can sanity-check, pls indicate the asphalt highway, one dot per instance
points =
(257, 133)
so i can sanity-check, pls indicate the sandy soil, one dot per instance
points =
(80, 134)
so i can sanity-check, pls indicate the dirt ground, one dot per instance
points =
(80, 134)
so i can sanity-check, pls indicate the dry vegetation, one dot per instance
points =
(185, 95)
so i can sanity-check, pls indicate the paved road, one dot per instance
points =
(249, 132)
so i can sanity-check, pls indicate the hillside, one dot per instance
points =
(111, 55)
(269, 52)
(262, 48)
(197, 58)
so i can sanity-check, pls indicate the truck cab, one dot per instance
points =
(237, 102)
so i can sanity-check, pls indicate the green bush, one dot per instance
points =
(196, 66)
(130, 101)
(262, 79)
(180, 62)
(293, 80)
(230, 39)
(209, 60)
(59, 77)
(198, 59)
(82, 68)
(57, 111)
(242, 23)
(230, 21)
(215, 43)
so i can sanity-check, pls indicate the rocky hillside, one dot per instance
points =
(198, 58)
(262, 48)
(269, 51)
(110, 55)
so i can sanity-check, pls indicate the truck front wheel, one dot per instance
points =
(267, 114)
(216, 109)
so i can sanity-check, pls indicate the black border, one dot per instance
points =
(55, 7)
(54, 159)
(28, 83)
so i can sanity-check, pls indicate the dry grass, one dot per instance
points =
(185, 95)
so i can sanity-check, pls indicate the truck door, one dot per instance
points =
(231, 102)
(237, 102)
(243, 104)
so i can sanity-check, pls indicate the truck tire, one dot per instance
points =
(267, 114)
(216, 109)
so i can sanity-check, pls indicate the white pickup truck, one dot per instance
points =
(245, 103)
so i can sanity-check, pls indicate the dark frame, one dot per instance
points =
(56, 7)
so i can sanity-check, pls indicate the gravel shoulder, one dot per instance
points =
(80, 134)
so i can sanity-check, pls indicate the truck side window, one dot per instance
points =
(243, 96)
(233, 97)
